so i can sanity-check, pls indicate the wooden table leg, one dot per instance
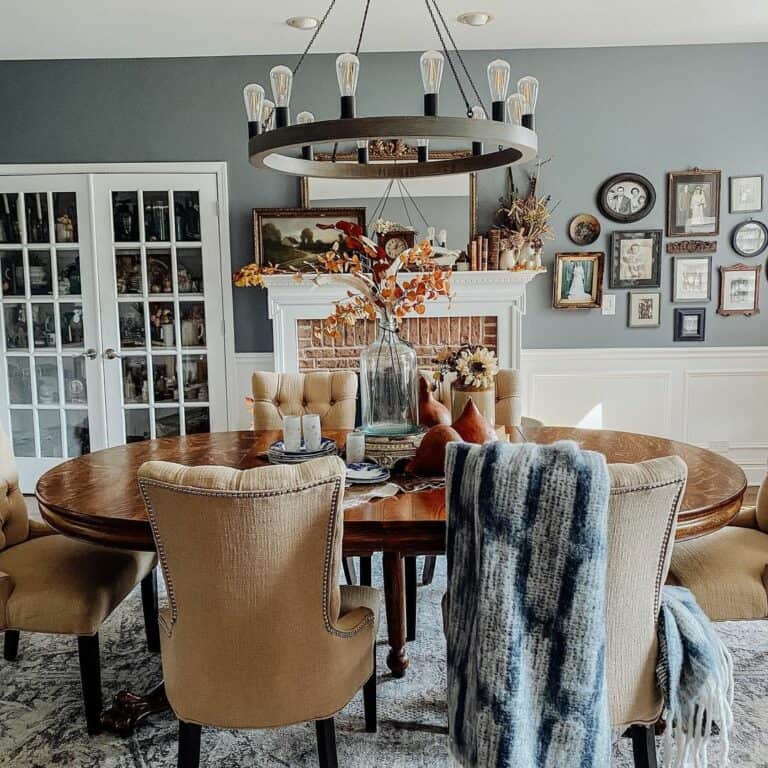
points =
(394, 598)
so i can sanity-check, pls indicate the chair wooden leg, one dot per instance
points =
(430, 561)
(643, 745)
(365, 571)
(410, 599)
(11, 644)
(350, 573)
(326, 743)
(90, 675)
(189, 745)
(369, 699)
(150, 605)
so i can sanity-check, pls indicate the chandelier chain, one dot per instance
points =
(314, 37)
(362, 26)
(448, 56)
(458, 55)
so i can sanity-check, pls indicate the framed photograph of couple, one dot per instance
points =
(292, 238)
(693, 203)
(578, 280)
(739, 290)
(691, 278)
(635, 259)
(626, 197)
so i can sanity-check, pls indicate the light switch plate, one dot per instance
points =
(609, 303)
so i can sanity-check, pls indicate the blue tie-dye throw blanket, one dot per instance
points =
(525, 628)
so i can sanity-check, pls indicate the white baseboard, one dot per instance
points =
(712, 396)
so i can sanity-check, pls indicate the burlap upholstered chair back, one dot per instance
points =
(331, 394)
(258, 632)
(14, 521)
(509, 406)
(644, 503)
(761, 510)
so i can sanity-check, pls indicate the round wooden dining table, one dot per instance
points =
(96, 498)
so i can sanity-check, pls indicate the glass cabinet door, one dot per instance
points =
(48, 323)
(164, 364)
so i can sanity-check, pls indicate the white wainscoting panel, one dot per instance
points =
(240, 385)
(714, 397)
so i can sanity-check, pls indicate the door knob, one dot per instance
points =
(110, 354)
(91, 354)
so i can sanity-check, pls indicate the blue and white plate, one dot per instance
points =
(277, 454)
(366, 472)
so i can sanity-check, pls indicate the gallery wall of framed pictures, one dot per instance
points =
(683, 272)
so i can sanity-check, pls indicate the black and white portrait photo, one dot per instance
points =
(694, 203)
(739, 290)
(635, 259)
(691, 278)
(644, 310)
(578, 280)
(746, 194)
(626, 197)
(689, 324)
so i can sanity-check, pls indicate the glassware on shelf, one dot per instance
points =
(36, 211)
(389, 384)
(135, 386)
(9, 218)
(156, 221)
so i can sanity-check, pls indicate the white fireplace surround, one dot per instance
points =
(500, 294)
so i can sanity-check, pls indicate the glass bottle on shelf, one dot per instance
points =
(389, 383)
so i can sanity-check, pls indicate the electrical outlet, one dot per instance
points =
(609, 303)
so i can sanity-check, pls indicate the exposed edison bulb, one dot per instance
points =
(281, 78)
(268, 115)
(528, 88)
(347, 71)
(254, 98)
(515, 109)
(305, 117)
(478, 113)
(362, 143)
(422, 142)
(498, 79)
(431, 63)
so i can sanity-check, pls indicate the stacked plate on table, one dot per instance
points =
(366, 473)
(277, 454)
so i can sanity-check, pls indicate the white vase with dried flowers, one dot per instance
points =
(475, 367)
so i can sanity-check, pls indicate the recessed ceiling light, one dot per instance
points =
(476, 18)
(302, 22)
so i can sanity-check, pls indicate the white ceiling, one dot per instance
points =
(76, 29)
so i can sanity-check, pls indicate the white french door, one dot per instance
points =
(160, 272)
(112, 324)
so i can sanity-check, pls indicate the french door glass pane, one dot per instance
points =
(156, 220)
(39, 277)
(167, 422)
(197, 420)
(10, 231)
(36, 210)
(190, 270)
(166, 387)
(128, 271)
(125, 216)
(135, 387)
(186, 206)
(137, 425)
(195, 374)
(12, 273)
(132, 328)
(192, 324)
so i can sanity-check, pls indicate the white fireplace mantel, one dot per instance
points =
(498, 293)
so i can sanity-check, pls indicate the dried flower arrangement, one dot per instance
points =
(524, 220)
(373, 276)
(475, 366)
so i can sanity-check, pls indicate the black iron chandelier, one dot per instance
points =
(276, 143)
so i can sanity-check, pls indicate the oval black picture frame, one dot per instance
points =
(738, 229)
(629, 178)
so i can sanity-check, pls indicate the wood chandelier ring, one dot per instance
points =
(515, 144)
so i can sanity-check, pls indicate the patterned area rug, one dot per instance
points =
(42, 724)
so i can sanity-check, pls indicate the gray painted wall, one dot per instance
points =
(648, 110)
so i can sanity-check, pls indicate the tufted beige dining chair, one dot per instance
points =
(53, 584)
(728, 570)
(331, 394)
(258, 633)
(642, 514)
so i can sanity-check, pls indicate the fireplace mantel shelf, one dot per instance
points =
(498, 293)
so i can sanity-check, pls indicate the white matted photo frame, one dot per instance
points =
(644, 310)
(690, 324)
(745, 194)
(635, 259)
(691, 279)
(739, 290)
(578, 280)
(693, 203)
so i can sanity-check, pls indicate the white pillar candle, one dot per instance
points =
(292, 433)
(355, 447)
(310, 423)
